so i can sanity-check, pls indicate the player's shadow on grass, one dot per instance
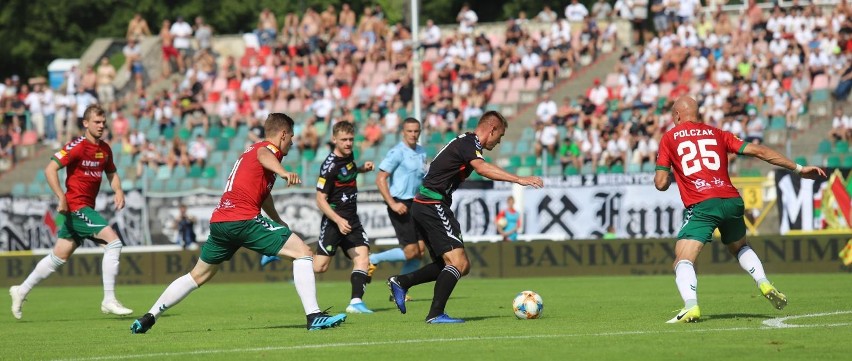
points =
(728, 316)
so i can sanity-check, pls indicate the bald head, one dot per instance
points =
(685, 108)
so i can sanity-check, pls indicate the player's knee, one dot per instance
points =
(320, 268)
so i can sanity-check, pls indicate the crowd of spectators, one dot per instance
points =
(334, 65)
(744, 74)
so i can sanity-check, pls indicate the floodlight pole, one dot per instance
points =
(415, 47)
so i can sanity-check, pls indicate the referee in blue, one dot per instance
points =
(400, 175)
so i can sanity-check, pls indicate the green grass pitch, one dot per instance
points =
(584, 318)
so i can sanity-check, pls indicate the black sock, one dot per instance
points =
(359, 283)
(444, 285)
(427, 273)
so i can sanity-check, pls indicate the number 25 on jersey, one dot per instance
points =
(688, 152)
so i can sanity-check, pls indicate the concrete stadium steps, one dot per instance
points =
(25, 171)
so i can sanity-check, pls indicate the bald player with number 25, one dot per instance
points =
(697, 154)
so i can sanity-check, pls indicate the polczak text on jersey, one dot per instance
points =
(692, 133)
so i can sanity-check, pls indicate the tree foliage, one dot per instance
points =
(34, 32)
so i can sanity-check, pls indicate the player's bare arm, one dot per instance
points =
(268, 207)
(367, 167)
(384, 189)
(115, 184)
(771, 156)
(51, 173)
(494, 172)
(342, 223)
(271, 163)
(662, 180)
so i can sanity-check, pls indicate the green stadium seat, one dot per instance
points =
(530, 160)
(820, 95)
(824, 147)
(648, 167)
(515, 161)
(228, 132)
(528, 134)
(522, 147)
(833, 161)
(602, 170)
(172, 185)
(369, 154)
(158, 186)
(163, 172)
(321, 128)
(169, 132)
(507, 146)
(841, 147)
(40, 177)
(538, 171)
(179, 172)
(617, 168)
(802, 160)
(634, 168)
(587, 168)
(214, 132)
(525, 171)
(309, 154)
(223, 144)
(435, 138)
(209, 172)
(777, 123)
(186, 184)
(847, 162)
(19, 189)
(184, 134)
(570, 170)
(195, 171)
(216, 158)
(471, 123)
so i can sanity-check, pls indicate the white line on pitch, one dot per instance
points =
(457, 339)
(779, 322)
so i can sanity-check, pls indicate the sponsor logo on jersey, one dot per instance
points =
(60, 154)
(478, 154)
(273, 148)
(350, 165)
(344, 171)
(701, 184)
(99, 155)
(90, 163)
(321, 182)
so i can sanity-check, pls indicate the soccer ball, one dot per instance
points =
(527, 305)
(502, 222)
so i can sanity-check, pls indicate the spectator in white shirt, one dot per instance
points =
(546, 109)
(33, 101)
(228, 112)
(598, 94)
(198, 151)
(182, 32)
(841, 126)
(467, 19)
(576, 12)
(432, 35)
(687, 9)
(601, 10)
(546, 138)
(547, 15)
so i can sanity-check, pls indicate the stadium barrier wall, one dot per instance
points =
(807, 206)
(780, 254)
(574, 207)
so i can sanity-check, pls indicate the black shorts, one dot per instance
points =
(403, 225)
(330, 238)
(439, 227)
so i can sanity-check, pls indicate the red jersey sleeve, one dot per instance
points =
(664, 157)
(66, 155)
(733, 144)
(109, 167)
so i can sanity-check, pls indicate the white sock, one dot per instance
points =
(306, 284)
(176, 292)
(355, 301)
(43, 269)
(109, 268)
(751, 264)
(687, 283)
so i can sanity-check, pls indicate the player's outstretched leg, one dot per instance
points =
(444, 285)
(750, 263)
(43, 269)
(176, 292)
(687, 285)
(109, 267)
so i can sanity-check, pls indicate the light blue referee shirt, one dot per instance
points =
(407, 167)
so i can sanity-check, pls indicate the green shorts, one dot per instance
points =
(260, 234)
(80, 224)
(701, 219)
